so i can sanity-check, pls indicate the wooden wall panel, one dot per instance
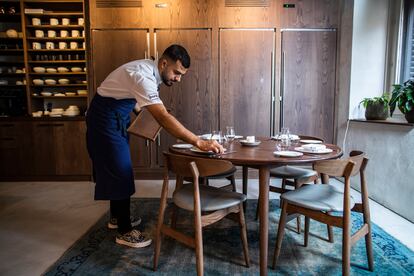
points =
(120, 17)
(310, 14)
(110, 49)
(190, 100)
(309, 82)
(247, 17)
(245, 80)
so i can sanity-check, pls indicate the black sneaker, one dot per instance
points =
(134, 238)
(113, 222)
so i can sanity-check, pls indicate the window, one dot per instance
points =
(408, 50)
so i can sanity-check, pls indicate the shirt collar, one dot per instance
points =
(157, 73)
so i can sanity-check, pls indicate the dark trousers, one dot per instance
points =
(120, 209)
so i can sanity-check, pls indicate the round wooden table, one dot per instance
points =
(262, 158)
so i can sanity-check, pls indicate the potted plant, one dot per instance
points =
(376, 108)
(403, 96)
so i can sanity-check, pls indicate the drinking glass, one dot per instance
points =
(230, 134)
(218, 136)
(285, 137)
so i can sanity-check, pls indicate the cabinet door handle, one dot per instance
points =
(52, 125)
(159, 140)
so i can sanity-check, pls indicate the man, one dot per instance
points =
(133, 85)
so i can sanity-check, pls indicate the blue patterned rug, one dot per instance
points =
(97, 254)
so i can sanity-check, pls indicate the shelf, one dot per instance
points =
(58, 74)
(12, 86)
(6, 38)
(60, 85)
(3, 62)
(59, 97)
(55, 38)
(56, 61)
(55, 14)
(55, 50)
(12, 74)
(55, 26)
(11, 51)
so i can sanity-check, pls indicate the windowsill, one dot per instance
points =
(396, 120)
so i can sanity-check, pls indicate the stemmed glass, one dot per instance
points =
(218, 136)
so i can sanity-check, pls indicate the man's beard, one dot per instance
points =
(165, 80)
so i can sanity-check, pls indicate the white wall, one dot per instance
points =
(390, 171)
(369, 44)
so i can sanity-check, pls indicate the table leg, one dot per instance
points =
(245, 179)
(264, 217)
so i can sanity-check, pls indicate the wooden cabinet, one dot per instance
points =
(309, 14)
(308, 82)
(128, 45)
(246, 80)
(192, 101)
(44, 150)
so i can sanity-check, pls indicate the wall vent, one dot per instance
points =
(247, 3)
(118, 3)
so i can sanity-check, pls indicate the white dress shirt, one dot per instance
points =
(138, 79)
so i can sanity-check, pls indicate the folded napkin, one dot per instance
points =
(314, 147)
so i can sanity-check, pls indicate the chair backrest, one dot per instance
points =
(336, 168)
(182, 165)
(306, 137)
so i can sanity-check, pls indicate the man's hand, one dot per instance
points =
(208, 145)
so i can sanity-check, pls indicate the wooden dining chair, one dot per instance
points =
(294, 176)
(316, 201)
(208, 204)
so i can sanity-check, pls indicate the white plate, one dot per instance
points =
(322, 151)
(311, 141)
(182, 146)
(238, 137)
(249, 144)
(287, 153)
(197, 150)
(292, 137)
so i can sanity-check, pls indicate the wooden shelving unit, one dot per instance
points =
(13, 98)
(55, 37)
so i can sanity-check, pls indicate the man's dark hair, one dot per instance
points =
(177, 52)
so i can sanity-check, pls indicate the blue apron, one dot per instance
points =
(107, 140)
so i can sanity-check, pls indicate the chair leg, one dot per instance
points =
(243, 234)
(297, 185)
(307, 224)
(368, 245)
(161, 213)
(257, 208)
(330, 233)
(245, 171)
(280, 233)
(199, 245)
(346, 247)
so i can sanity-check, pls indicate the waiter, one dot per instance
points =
(130, 87)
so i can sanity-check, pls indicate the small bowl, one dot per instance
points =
(63, 81)
(70, 94)
(11, 33)
(46, 94)
(51, 70)
(57, 110)
(82, 92)
(62, 69)
(59, 95)
(50, 82)
(39, 69)
(76, 69)
(38, 82)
